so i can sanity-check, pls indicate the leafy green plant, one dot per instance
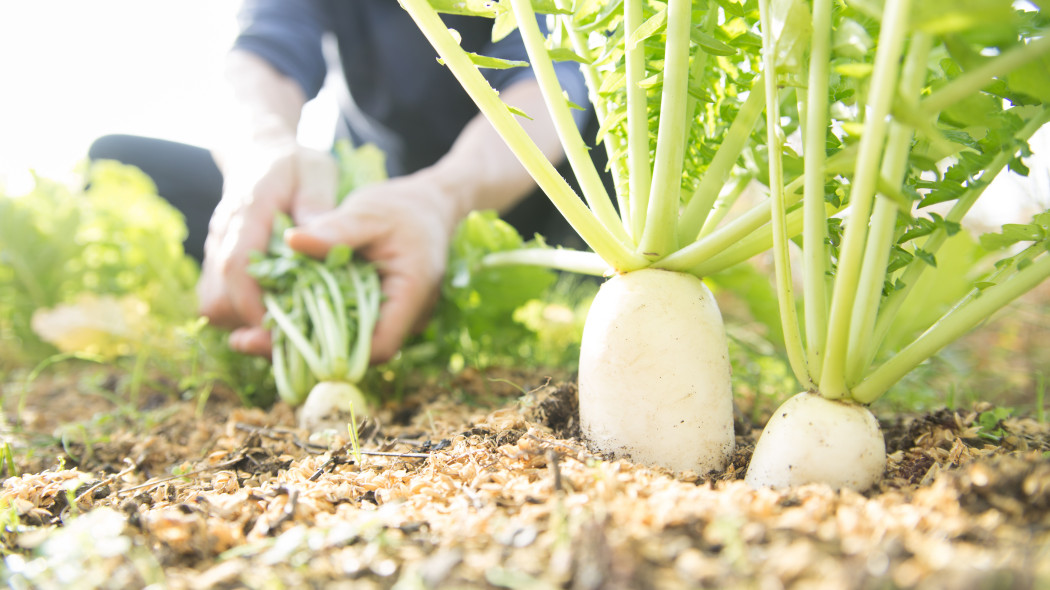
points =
(946, 100)
(675, 87)
(876, 109)
(115, 238)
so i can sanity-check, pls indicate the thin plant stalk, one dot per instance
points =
(693, 223)
(775, 141)
(590, 74)
(639, 164)
(884, 78)
(587, 263)
(954, 324)
(576, 151)
(660, 236)
(704, 249)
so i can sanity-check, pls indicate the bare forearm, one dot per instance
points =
(263, 104)
(480, 171)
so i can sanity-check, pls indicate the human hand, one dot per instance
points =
(404, 226)
(259, 181)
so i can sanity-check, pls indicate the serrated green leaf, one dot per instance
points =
(652, 26)
(496, 63)
(563, 54)
(710, 44)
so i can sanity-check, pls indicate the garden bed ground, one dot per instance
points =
(470, 484)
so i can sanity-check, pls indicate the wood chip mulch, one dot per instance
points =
(444, 495)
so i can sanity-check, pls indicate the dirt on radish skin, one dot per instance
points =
(810, 439)
(654, 373)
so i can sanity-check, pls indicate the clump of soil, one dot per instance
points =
(473, 484)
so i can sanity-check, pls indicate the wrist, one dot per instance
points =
(454, 190)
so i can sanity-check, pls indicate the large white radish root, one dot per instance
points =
(328, 406)
(654, 373)
(811, 439)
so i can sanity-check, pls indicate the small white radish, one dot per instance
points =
(811, 439)
(654, 374)
(327, 407)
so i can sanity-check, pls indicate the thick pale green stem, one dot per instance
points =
(974, 80)
(884, 221)
(695, 212)
(660, 236)
(933, 243)
(957, 322)
(582, 219)
(587, 263)
(576, 151)
(781, 255)
(881, 95)
(639, 164)
(814, 232)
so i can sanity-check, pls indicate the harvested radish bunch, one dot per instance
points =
(943, 97)
(322, 313)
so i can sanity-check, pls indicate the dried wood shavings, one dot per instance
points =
(453, 496)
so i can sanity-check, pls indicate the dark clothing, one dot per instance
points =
(400, 98)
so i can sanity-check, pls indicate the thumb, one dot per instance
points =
(341, 226)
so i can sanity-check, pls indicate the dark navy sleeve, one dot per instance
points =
(287, 34)
(512, 47)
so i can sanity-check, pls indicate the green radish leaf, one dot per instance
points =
(338, 256)
(710, 44)
(941, 17)
(563, 54)
(482, 8)
(652, 26)
(494, 63)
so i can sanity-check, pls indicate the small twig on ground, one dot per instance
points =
(131, 466)
(278, 433)
(219, 466)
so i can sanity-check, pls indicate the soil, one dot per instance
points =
(470, 484)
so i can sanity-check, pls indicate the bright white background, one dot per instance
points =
(73, 70)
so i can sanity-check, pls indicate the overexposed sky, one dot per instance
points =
(73, 70)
